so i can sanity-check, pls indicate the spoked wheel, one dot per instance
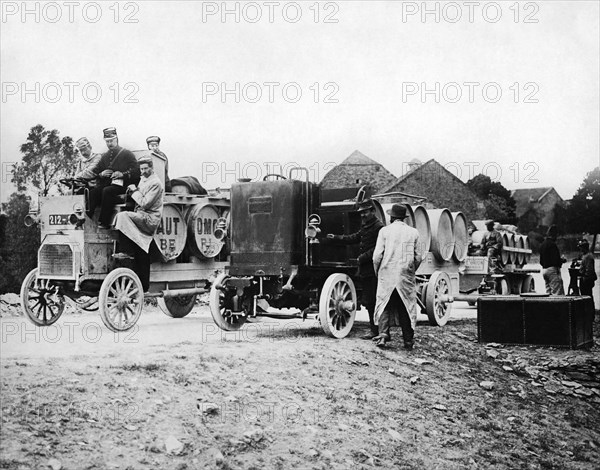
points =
(40, 300)
(528, 284)
(337, 305)
(177, 307)
(438, 310)
(221, 306)
(121, 299)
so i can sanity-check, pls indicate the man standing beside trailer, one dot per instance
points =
(137, 228)
(587, 271)
(396, 258)
(551, 262)
(367, 237)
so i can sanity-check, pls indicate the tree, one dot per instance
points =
(499, 204)
(18, 244)
(46, 159)
(584, 210)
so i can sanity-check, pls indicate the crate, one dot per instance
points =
(558, 321)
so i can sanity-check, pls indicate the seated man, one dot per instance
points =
(491, 244)
(86, 162)
(116, 169)
(153, 142)
(137, 228)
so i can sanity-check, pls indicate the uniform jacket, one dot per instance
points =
(367, 237)
(140, 225)
(119, 159)
(549, 254)
(587, 270)
(85, 167)
(492, 239)
(396, 257)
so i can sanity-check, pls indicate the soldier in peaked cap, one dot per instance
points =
(366, 237)
(153, 143)
(87, 161)
(396, 257)
(116, 169)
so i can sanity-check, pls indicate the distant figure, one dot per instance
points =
(491, 246)
(395, 260)
(153, 143)
(551, 262)
(587, 271)
(137, 228)
(116, 170)
(86, 162)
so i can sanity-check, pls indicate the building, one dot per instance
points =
(442, 188)
(355, 171)
(535, 206)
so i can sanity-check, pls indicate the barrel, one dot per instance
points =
(380, 211)
(442, 233)
(526, 245)
(423, 226)
(202, 221)
(410, 216)
(508, 240)
(461, 236)
(171, 234)
(477, 237)
(520, 243)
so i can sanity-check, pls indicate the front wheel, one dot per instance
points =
(40, 300)
(337, 305)
(221, 306)
(121, 299)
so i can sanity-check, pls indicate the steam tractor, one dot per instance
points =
(75, 257)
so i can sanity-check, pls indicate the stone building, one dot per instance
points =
(535, 206)
(355, 171)
(441, 187)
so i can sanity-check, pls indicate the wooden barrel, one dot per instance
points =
(477, 237)
(410, 216)
(508, 240)
(520, 243)
(380, 212)
(527, 246)
(171, 234)
(461, 236)
(442, 233)
(202, 221)
(423, 226)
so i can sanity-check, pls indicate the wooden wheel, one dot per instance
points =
(438, 287)
(221, 306)
(177, 307)
(528, 284)
(121, 299)
(337, 305)
(40, 300)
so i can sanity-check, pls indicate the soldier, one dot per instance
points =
(87, 161)
(153, 143)
(587, 270)
(367, 237)
(116, 169)
(491, 245)
(396, 258)
(137, 228)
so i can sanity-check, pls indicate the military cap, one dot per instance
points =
(110, 133)
(365, 205)
(153, 138)
(145, 160)
(82, 142)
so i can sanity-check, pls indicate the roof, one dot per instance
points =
(357, 169)
(416, 169)
(527, 195)
(358, 158)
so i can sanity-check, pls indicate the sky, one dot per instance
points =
(242, 89)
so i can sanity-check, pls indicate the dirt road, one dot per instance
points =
(182, 394)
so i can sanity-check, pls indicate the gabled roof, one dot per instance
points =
(359, 158)
(357, 169)
(418, 169)
(529, 195)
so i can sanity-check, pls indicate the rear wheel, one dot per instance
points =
(337, 305)
(438, 309)
(40, 300)
(528, 284)
(177, 307)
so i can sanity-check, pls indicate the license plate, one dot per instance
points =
(58, 219)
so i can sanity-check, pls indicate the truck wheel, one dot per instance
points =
(438, 310)
(177, 307)
(528, 284)
(121, 299)
(337, 305)
(40, 301)
(221, 305)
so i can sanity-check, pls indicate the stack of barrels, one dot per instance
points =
(511, 240)
(442, 232)
(192, 227)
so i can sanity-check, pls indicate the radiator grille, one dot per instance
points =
(56, 260)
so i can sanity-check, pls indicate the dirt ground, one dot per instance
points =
(281, 395)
